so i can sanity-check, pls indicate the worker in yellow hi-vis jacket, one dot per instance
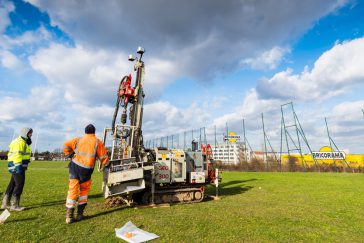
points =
(84, 150)
(18, 160)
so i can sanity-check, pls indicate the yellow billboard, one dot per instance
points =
(232, 137)
(326, 156)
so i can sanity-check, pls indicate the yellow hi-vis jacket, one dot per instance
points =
(18, 156)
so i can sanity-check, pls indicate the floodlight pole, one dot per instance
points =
(215, 138)
(35, 145)
(184, 140)
(332, 142)
(178, 141)
(204, 135)
(298, 131)
(12, 138)
(245, 149)
(281, 147)
(248, 144)
(328, 134)
(265, 145)
(227, 142)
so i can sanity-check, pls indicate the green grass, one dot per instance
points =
(254, 207)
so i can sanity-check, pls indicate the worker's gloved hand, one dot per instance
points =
(19, 169)
(103, 168)
(70, 155)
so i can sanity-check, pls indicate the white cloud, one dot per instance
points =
(85, 76)
(253, 104)
(90, 76)
(162, 118)
(37, 104)
(159, 74)
(333, 73)
(83, 79)
(9, 60)
(224, 33)
(5, 8)
(38, 36)
(267, 60)
(92, 114)
(349, 110)
(346, 126)
(336, 72)
(27, 38)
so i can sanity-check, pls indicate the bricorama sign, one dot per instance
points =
(232, 137)
(327, 153)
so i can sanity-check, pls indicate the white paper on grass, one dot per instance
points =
(138, 235)
(4, 216)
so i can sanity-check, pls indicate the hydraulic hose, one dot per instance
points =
(117, 105)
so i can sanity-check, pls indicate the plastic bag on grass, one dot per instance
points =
(4, 216)
(130, 233)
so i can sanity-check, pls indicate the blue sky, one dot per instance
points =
(61, 61)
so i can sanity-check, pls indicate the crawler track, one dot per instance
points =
(183, 195)
(175, 196)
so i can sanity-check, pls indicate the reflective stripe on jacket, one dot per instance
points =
(86, 150)
(18, 156)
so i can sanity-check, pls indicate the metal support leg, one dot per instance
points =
(153, 185)
(217, 182)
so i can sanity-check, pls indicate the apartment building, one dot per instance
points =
(228, 152)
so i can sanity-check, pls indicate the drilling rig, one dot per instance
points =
(136, 174)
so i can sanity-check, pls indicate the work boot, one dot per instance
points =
(6, 202)
(15, 200)
(80, 210)
(69, 215)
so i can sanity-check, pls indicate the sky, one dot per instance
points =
(209, 63)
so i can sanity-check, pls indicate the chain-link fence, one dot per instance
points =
(184, 139)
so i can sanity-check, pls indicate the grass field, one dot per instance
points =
(254, 207)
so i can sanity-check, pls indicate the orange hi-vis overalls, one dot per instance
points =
(86, 150)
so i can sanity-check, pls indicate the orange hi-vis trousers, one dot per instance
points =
(74, 187)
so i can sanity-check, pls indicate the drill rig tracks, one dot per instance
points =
(175, 196)
(169, 196)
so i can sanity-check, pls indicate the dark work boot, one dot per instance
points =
(80, 210)
(6, 202)
(15, 200)
(69, 215)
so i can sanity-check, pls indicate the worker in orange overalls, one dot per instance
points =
(84, 152)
